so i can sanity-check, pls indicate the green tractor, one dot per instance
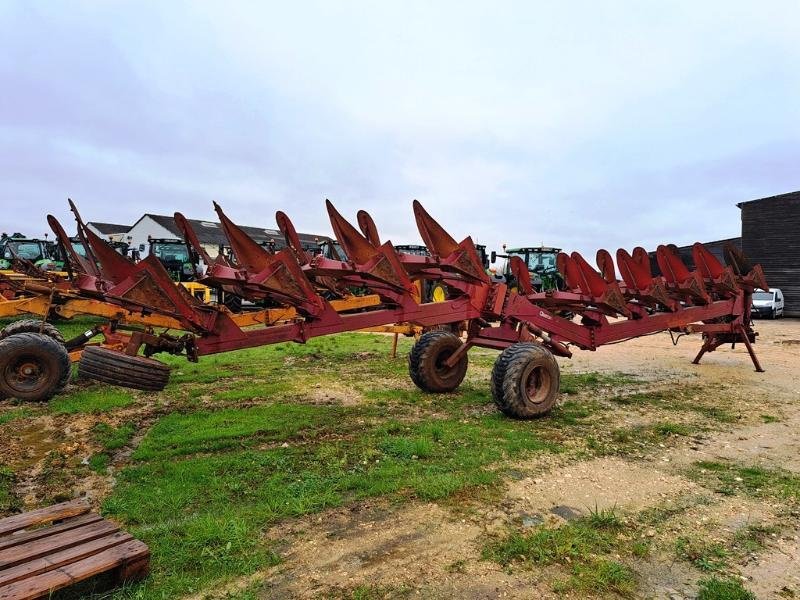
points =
(42, 253)
(541, 262)
(176, 258)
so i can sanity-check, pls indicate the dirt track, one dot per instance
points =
(435, 550)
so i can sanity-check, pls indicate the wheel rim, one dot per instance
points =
(536, 383)
(26, 374)
(439, 294)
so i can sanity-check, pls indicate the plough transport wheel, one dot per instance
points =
(33, 366)
(118, 368)
(425, 362)
(32, 326)
(525, 381)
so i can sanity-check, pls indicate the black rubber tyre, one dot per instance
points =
(525, 381)
(31, 326)
(33, 367)
(232, 302)
(425, 362)
(453, 328)
(118, 368)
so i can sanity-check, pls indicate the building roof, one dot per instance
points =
(787, 196)
(211, 232)
(109, 228)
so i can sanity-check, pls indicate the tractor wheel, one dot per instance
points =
(454, 328)
(438, 292)
(426, 358)
(525, 381)
(32, 326)
(33, 366)
(232, 302)
(118, 368)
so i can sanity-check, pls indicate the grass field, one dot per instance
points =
(241, 441)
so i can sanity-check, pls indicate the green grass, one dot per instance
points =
(175, 503)
(703, 554)
(251, 438)
(572, 383)
(584, 546)
(8, 500)
(110, 438)
(731, 478)
(752, 538)
(599, 576)
(715, 588)
(208, 431)
(113, 438)
(92, 400)
(15, 414)
(686, 399)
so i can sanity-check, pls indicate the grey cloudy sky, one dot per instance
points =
(578, 124)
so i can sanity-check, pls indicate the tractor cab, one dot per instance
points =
(175, 256)
(332, 249)
(34, 250)
(541, 263)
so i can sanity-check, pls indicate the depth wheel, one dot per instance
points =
(32, 326)
(426, 362)
(525, 381)
(118, 368)
(33, 367)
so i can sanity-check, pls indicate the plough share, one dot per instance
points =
(529, 327)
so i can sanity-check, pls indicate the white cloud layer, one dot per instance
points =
(576, 124)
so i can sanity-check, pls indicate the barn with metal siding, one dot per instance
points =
(685, 252)
(771, 237)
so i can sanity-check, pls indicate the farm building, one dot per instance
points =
(109, 231)
(686, 252)
(210, 234)
(771, 237)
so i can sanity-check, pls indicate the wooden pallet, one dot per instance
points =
(51, 548)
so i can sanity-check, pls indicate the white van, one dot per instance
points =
(767, 305)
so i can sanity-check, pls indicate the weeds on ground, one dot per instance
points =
(583, 546)
(703, 554)
(15, 414)
(8, 500)
(715, 588)
(729, 478)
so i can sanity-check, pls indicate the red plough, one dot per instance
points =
(529, 327)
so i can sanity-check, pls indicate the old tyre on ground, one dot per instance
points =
(525, 381)
(118, 368)
(426, 362)
(32, 326)
(33, 366)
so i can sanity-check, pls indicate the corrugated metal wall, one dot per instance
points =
(771, 237)
(686, 253)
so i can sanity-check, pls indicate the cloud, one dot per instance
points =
(577, 125)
